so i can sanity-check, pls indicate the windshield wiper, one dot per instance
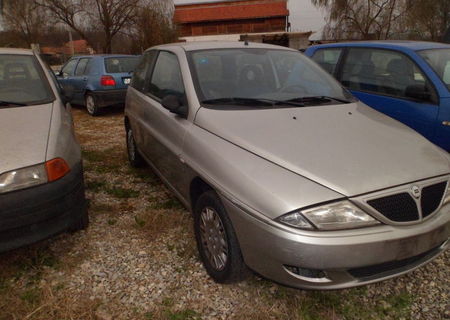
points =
(11, 103)
(318, 99)
(251, 102)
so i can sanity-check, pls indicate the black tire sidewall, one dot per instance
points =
(138, 161)
(234, 268)
(96, 110)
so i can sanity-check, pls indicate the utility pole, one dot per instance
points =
(72, 49)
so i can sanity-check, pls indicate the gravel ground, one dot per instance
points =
(138, 260)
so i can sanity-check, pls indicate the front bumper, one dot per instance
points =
(338, 259)
(109, 97)
(34, 214)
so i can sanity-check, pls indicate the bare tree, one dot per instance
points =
(152, 25)
(363, 19)
(25, 18)
(85, 16)
(429, 19)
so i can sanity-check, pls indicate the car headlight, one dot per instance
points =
(23, 178)
(32, 176)
(333, 216)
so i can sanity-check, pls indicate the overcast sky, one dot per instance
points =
(304, 16)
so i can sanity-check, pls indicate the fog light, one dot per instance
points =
(306, 273)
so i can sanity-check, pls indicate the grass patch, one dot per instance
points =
(187, 314)
(93, 155)
(166, 204)
(95, 185)
(122, 193)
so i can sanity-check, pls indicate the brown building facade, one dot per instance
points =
(231, 17)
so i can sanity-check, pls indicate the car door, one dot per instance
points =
(66, 74)
(382, 78)
(80, 80)
(164, 131)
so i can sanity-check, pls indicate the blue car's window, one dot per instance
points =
(22, 81)
(81, 67)
(328, 58)
(121, 64)
(439, 60)
(264, 74)
(382, 71)
(69, 68)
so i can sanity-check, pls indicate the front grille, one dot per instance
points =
(399, 207)
(432, 197)
(391, 266)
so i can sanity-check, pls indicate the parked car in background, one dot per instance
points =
(41, 174)
(284, 170)
(98, 81)
(406, 80)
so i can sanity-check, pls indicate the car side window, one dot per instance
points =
(69, 67)
(382, 71)
(328, 59)
(81, 67)
(166, 78)
(143, 70)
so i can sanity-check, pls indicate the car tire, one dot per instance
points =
(82, 222)
(91, 105)
(134, 157)
(216, 240)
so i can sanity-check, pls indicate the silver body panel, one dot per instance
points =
(265, 163)
(34, 134)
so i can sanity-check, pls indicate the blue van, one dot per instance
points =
(407, 80)
(97, 81)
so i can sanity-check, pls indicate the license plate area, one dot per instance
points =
(126, 81)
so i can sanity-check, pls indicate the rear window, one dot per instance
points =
(22, 81)
(121, 65)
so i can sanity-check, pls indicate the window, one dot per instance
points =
(268, 74)
(121, 64)
(166, 77)
(142, 70)
(69, 67)
(23, 81)
(81, 67)
(382, 71)
(439, 60)
(328, 59)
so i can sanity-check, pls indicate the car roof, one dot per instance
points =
(207, 45)
(16, 51)
(390, 44)
(106, 56)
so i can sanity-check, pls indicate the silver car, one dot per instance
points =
(41, 176)
(285, 172)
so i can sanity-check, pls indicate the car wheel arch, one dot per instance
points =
(197, 187)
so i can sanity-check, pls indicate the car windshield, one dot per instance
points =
(439, 60)
(262, 78)
(121, 64)
(22, 81)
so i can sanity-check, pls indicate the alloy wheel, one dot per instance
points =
(214, 238)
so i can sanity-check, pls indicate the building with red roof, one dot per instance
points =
(231, 17)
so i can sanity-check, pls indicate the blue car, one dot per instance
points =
(406, 80)
(97, 81)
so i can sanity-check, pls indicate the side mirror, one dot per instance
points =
(174, 104)
(418, 92)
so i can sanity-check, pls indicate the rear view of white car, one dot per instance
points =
(41, 175)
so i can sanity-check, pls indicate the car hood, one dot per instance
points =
(349, 148)
(24, 136)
